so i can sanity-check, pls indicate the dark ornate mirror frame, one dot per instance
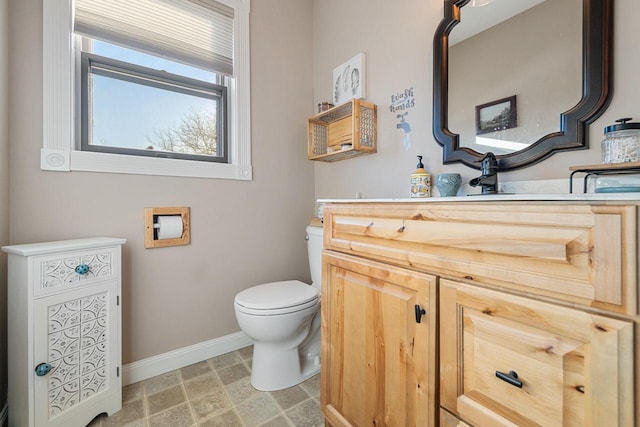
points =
(597, 51)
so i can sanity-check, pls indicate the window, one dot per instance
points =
(155, 87)
(136, 110)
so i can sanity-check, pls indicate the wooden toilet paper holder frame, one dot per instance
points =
(150, 217)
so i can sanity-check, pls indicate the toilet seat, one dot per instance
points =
(277, 298)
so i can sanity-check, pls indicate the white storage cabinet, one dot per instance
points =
(64, 339)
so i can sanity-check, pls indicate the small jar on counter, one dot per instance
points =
(622, 142)
(324, 106)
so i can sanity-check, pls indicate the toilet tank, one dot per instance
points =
(314, 248)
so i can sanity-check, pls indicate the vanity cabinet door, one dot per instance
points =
(508, 360)
(378, 361)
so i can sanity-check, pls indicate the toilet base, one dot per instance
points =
(279, 369)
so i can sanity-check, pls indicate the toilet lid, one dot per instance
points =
(290, 293)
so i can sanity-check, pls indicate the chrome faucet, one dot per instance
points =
(489, 178)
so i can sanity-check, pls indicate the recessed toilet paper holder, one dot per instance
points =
(166, 226)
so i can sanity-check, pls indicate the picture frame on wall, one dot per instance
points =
(496, 115)
(349, 80)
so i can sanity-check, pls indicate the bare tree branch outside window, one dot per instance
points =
(195, 134)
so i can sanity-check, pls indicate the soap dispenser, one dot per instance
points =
(420, 181)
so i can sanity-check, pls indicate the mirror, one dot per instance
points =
(522, 79)
(504, 40)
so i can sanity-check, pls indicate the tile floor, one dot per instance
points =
(216, 392)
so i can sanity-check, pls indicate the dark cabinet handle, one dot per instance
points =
(419, 313)
(511, 378)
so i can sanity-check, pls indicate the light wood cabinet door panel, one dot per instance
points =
(378, 363)
(579, 253)
(508, 360)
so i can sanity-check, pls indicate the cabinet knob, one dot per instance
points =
(43, 369)
(82, 269)
(511, 378)
(419, 313)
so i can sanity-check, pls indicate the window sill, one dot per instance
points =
(61, 160)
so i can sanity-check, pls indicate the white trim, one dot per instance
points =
(58, 140)
(54, 160)
(57, 65)
(166, 362)
(4, 414)
(119, 163)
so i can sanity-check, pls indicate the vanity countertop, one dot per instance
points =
(587, 197)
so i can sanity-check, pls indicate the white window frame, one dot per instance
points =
(59, 152)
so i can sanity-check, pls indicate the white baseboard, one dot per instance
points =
(4, 415)
(165, 362)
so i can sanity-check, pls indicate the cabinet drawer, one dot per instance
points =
(448, 420)
(580, 253)
(508, 360)
(56, 272)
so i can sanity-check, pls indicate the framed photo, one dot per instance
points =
(349, 80)
(496, 115)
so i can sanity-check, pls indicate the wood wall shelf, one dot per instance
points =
(342, 132)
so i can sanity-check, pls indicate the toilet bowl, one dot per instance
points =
(283, 320)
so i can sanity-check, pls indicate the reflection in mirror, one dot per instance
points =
(530, 50)
(522, 79)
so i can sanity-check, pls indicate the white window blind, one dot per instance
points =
(197, 32)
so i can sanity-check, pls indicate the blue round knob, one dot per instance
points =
(43, 369)
(82, 269)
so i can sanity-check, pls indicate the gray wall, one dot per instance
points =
(397, 37)
(4, 191)
(243, 232)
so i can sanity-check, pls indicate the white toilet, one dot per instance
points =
(283, 319)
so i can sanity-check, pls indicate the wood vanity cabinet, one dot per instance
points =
(535, 305)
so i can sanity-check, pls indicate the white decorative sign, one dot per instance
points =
(349, 80)
(400, 103)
